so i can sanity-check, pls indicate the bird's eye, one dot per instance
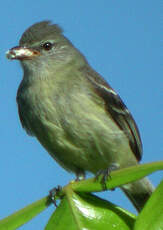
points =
(47, 46)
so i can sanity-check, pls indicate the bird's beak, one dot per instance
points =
(21, 53)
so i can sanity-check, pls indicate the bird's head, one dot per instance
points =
(43, 45)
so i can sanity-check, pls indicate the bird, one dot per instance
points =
(73, 112)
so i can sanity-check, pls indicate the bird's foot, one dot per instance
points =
(53, 193)
(105, 174)
(80, 176)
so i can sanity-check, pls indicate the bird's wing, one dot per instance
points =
(117, 109)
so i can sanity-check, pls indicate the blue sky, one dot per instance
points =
(122, 41)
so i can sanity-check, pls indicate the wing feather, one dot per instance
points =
(117, 109)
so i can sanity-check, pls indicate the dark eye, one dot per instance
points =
(47, 46)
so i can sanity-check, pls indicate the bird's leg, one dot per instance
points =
(80, 175)
(53, 193)
(105, 173)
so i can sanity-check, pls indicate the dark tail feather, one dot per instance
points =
(138, 192)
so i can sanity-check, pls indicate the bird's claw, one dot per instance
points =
(53, 193)
(105, 174)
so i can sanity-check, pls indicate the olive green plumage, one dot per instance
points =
(73, 112)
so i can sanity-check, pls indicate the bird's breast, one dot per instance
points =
(67, 121)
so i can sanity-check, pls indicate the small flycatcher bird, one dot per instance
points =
(73, 112)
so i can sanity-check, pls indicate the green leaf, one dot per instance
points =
(61, 218)
(117, 177)
(78, 209)
(86, 211)
(151, 217)
(24, 215)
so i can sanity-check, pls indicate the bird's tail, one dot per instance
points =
(138, 192)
